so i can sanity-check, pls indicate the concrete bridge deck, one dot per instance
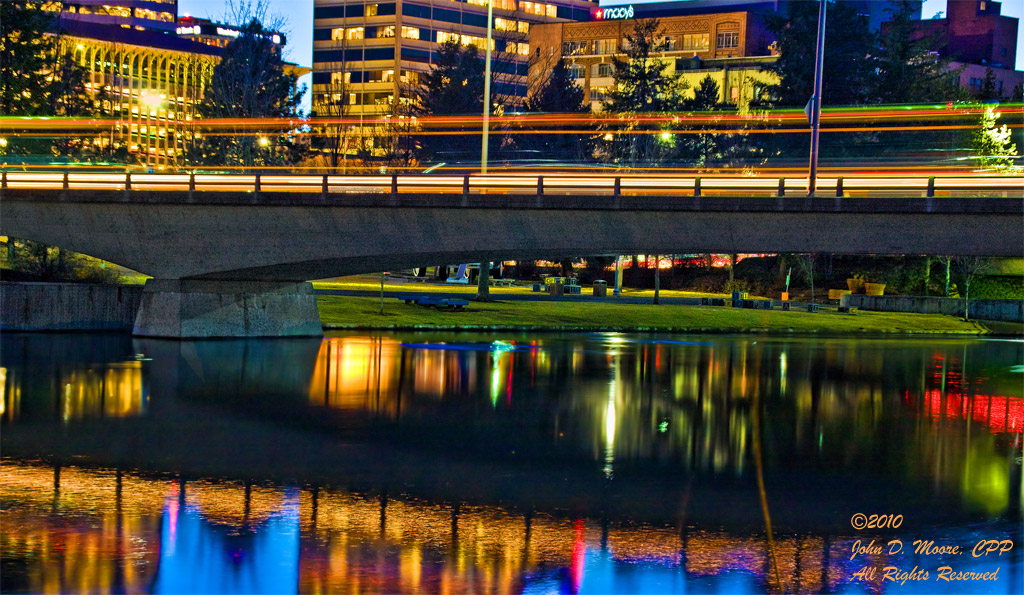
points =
(242, 251)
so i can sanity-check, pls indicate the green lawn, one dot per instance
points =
(366, 283)
(364, 312)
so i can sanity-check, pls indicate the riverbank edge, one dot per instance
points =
(979, 330)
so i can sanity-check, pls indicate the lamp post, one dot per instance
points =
(814, 106)
(482, 291)
(487, 88)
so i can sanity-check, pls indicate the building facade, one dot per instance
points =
(730, 47)
(140, 15)
(977, 37)
(368, 56)
(148, 82)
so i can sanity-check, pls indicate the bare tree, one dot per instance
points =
(970, 268)
(806, 263)
(330, 108)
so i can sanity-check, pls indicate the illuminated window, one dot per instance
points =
(574, 48)
(524, 27)
(728, 40)
(410, 32)
(552, 10)
(523, 49)
(341, 78)
(388, 31)
(371, 10)
(604, 46)
(410, 77)
(697, 41)
(504, 24)
(338, 34)
(734, 94)
(356, 33)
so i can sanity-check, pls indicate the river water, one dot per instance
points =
(511, 463)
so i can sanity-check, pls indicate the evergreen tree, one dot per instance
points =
(643, 85)
(455, 85)
(991, 143)
(39, 77)
(704, 147)
(988, 90)
(26, 55)
(642, 80)
(249, 82)
(849, 45)
(559, 94)
(909, 70)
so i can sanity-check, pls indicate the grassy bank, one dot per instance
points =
(365, 283)
(338, 312)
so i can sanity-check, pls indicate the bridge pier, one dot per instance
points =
(196, 308)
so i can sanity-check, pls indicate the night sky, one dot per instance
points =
(299, 16)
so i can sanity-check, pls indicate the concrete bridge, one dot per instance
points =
(233, 257)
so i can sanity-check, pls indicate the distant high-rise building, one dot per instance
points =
(368, 55)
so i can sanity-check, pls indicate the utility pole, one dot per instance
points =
(487, 88)
(813, 109)
(482, 289)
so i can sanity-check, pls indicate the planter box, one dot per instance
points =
(874, 288)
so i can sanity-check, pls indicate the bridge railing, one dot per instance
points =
(556, 184)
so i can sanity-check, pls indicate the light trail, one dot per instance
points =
(1011, 186)
(866, 115)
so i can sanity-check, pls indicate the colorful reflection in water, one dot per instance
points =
(655, 432)
(63, 532)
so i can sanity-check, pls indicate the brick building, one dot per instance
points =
(977, 37)
(731, 47)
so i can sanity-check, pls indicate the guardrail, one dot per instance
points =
(711, 185)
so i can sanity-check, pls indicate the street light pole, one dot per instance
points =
(487, 88)
(814, 114)
(482, 290)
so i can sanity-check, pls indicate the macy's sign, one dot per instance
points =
(617, 12)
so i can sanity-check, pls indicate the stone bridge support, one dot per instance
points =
(192, 309)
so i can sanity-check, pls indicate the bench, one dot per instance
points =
(502, 282)
(435, 302)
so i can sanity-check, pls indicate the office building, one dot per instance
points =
(368, 56)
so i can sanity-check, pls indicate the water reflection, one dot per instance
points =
(62, 534)
(533, 463)
(70, 379)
